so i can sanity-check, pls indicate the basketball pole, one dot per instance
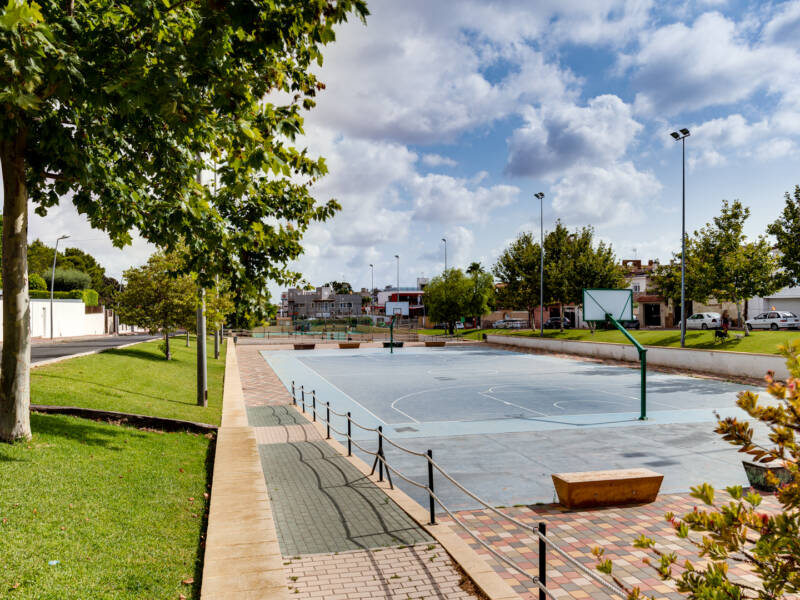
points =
(642, 359)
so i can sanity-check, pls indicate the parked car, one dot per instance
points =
(515, 324)
(708, 320)
(774, 319)
(459, 326)
(555, 323)
(501, 324)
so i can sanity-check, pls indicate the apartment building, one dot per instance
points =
(322, 303)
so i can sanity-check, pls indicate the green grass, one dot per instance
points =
(467, 334)
(112, 504)
(136, 379)
(764, 342)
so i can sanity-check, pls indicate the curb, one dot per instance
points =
(161, 423)
(50, 361)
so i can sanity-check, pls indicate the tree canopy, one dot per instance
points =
(121, 106)
(786, 230)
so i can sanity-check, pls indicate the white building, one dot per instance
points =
(787, 299)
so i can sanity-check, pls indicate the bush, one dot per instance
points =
(70, 279)
(36, 282)
(90, 297)
(45, 295)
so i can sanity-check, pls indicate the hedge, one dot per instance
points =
(84, 295)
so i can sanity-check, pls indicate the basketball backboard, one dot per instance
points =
(598, 303)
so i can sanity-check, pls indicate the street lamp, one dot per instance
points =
(681, 136)
(53, 281)
(445, 254)
(540, 196)
(397, 256)
(372, 288)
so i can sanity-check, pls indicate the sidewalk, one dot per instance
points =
(341, 537)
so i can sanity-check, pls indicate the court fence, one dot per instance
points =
(539, 532)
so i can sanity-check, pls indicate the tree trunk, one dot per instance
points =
(739, 317)
(187, 338)
(216, 343)
(15, 392)
(561, 319)
(166, 341)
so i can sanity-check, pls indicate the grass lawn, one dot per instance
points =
(765, 342)
(135, 379)
(467, 334)
(121, 510)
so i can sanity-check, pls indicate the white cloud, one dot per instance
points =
(783, 27)
(436, 160)
(446, 199)
(605, 195)
(710, 63)
(557, 138)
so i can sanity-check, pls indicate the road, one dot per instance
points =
(45, 350)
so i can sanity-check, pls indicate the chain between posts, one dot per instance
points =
(539, 532)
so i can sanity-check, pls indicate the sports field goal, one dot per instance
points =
(601, 305)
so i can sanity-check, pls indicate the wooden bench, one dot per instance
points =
(390, 344)
(304, 346)
(607, 488)
(434, 344)
(349, 345)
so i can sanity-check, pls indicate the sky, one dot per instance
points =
(443, 119)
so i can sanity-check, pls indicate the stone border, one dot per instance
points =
(242, 557)
(161, 423)
(721, 363)
(57, 359)
(475, 566)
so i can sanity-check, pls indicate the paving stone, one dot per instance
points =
(273, 416)
(322, 503)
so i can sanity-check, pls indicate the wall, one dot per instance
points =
(718, 362)
(70, 319)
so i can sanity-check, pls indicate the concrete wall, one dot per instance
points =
(70, 319)
(718, 362)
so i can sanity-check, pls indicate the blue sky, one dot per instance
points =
(442, 119)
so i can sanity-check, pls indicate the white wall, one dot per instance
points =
(719, 362)
(70, 319)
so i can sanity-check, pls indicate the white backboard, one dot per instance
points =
(392, 308)
(599, 303)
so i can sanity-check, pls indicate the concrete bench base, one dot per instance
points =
(607, 488)
(431, 344)
(389, 344)
(304, 346)
(349, 345)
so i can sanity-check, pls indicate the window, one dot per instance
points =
(635, 287)
(773, 315)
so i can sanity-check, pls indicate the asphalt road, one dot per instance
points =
(41, 350)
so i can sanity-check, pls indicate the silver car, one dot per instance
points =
(774, 319)
(707, 320)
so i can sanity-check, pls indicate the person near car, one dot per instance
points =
(726, 321)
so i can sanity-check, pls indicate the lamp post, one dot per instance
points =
(397, 256)
(540, 196)
(445, 254)
(53, 281)
(681, 136)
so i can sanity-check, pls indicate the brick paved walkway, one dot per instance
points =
(422, 571)
(577, 532)
(341, 536)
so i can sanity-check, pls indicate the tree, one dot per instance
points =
(732, 268)
(120, 106)
(786, 230)
(340, 287)
(737, 530)
(447, 297)
(157, 297)
(36, 282)
(65, 280)
(517, 270)
(481, 291)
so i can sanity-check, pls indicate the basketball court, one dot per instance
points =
(501, 422)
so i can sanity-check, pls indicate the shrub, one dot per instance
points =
(90, 297)
(70, 279)
(36, 282)
(45, 295)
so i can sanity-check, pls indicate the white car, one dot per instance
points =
(501, 324)
(709, 320)
(774, 319)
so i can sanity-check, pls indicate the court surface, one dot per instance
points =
(502, 422)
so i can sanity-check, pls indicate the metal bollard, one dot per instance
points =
(328, 420)
(314, 405)
(542, 561)
(349, 439)
(380, 452)
(303, 398)
(294, 398)
(430, 488)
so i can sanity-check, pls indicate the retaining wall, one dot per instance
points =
(717, 362)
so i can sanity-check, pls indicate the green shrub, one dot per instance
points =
(90, 297)
(36, 282)
(70, 279)
(45, 295)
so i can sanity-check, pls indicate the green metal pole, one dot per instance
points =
(643, 360)
(391, 336)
